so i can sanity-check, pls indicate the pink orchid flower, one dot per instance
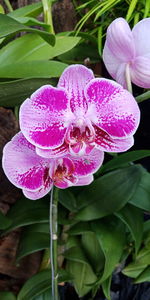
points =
(36, 175)
(127, 53)
(81, 114)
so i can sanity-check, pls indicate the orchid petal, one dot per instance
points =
(107, 143)
(23, 167)
(43, 117)
(34, 195)
(140, 71)
(140, 34)
(74, 80)
(85, 180)
(88, 164)
(116, 111)
(119, 47)
(53, 153)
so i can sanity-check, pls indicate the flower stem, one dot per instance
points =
(47, 8)
(128, 78)
(7, 2)
(143, 97)
(53, 241)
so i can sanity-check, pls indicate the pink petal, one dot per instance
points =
(85, 180)
(23, 167)
(140, 71)
(44, 117)
(34, 195)
(74, 80)
(87, 164)
(119, 46)
(108, 144)
(116, 111)
(53, 153)
(140, 34)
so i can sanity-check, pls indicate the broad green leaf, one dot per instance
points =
(28, 21)
(141, 197)
(146, 234)
(15, 92)
(67, 199)
(106, 287)
(31, 10)
(109, 193)
(144, 276)
(125, 158)
(110, 233)
(27, 212)
(33, 69)
(47, 295)
(5, 222)
(31, 47)
(1, 9)
(79, 228)
(7, 296)
(34, 238)
(133, 218)
(10, 26)
(93, 251)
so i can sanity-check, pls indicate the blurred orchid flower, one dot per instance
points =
(36, 175)
(81, 114)
(126, 53)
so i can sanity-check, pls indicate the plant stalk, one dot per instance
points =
(7, 2)
(53, 241)
(128, 78)
(47, 8)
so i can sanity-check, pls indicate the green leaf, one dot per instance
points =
(27, 212)
(79, 228)
(15, 92)
(5, 222)
(47, 295)
(33, 69)
(106, 287)
(125, 158)
(131, 9)
(141, 197)
(1, 9)
(31, 10)
(7, 296)
(10, 26)
(133, 218)
(34, 238)
(109, 193)
(111, 236)
(31, 47)
(67, 199)
(144, 276)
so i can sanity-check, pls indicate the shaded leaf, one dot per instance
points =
(106, 288)
(144, 276)
(31, 10)
(47, 295)
(67, 199)
(109, 193)
(7, 296)
(79, 228)
(5, 222)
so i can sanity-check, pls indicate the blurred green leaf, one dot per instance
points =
(1, 9)
(33, 69)
(80, 228)
(125, 158)
(27, 212)
(141, 197)
(10, 26)
(13, 93)
(7, 296)
(133, 218)
(47, 295)
(109, 193)
(31, 10)
(106, 287)
(31, 47)
(5, 222)
(67, 199)
(131, 9)
(144, 276)
(110, 233)
(34, 238)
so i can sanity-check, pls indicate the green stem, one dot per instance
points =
(128, 78)
(53, 246)
(143, 97)
(7, 2)
(47, 8)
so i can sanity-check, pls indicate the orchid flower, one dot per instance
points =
(127, 53)
(36, 175)
(81, 114)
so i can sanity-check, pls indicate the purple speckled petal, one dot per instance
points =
(23, 167)
(119, 46)
(44, 117)
(107, 143)
(85, 180)
(88, 164)
(53, 153)
(74, 80)
(35, 195)
(114, 108)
